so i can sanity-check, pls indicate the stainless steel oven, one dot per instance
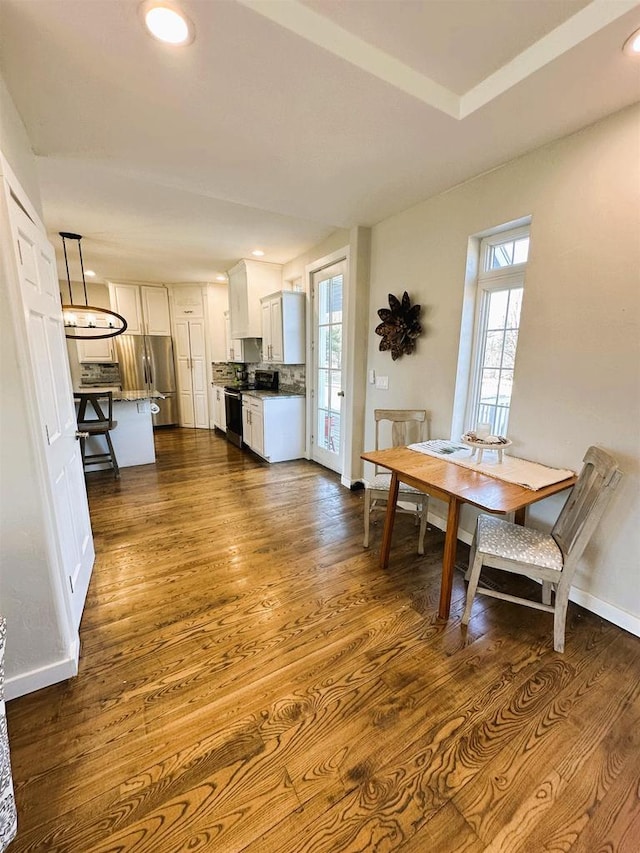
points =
(233, 410)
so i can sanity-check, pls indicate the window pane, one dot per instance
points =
(521, 250)
(493, 349)
(500, 421)
(324, 298)
(328, 430)
(505, 387)
(489, 386)
(335, 307)
(509, 354)
(335, 335)
(323, 389)
(324, 346)
(336, 386)
(498, 300)
(501, 256)
(515, 306)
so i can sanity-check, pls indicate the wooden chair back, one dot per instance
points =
(408, 426)
(98, 419)
(585, 505)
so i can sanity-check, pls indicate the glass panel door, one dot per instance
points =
(326, 440)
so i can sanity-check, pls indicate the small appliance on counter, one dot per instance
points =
(265, 380)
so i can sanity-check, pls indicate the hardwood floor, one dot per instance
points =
(250, 680)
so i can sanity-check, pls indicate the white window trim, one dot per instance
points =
(504, 278)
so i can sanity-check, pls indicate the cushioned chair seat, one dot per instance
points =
(502, 539)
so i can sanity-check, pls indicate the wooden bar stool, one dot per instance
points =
(101, 424)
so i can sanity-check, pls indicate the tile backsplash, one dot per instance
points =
(292, 377)
(99, 374)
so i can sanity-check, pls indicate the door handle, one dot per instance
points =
(80, 434)
(340, 393)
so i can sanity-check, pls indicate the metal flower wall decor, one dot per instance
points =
(400, 326)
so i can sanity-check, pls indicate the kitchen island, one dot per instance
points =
(133, 436)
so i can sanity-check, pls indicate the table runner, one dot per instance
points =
(531, 475)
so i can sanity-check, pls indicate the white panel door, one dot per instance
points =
(54, 405)
(327, 390)
(183, 373)
(197, 337)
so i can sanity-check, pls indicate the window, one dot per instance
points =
(503, 259)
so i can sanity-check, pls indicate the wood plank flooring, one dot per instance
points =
(250, 680)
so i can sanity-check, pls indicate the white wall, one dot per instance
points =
(577, 378)
(14, 144)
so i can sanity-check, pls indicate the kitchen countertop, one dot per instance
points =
(121, 396)
(264, 395)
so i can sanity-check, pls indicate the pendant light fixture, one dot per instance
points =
(87, 322)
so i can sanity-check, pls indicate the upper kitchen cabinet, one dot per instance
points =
(283, 327)
(188, 302)
(240, 349)
(249, 281)
(145, 308)
(155, 310)
(100, 351)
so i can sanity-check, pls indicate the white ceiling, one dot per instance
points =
(286, 120)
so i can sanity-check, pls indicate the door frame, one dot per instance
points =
(343, 254)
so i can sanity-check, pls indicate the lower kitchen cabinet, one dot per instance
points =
(274, 427)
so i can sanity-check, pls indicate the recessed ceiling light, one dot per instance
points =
(167, 23)
(221, 278)
(258, 253)
(90, 273)
(632, 45)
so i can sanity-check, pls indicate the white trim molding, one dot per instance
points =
(45, 676)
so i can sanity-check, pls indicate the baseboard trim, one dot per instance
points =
(45, 676)
(621, 618)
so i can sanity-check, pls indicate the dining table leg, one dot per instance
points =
(389, 518)
(449, 557)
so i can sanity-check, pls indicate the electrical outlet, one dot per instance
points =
(382, 383)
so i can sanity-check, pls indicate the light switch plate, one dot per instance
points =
(372, 377)
(382, 383)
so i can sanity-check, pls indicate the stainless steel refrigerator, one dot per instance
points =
(146, 364)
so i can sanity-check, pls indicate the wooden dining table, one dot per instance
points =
(455, 485)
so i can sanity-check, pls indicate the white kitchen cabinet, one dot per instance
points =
(191, 373)
(155, 310)
(249, 281)
(253, 423)
(283, 327)
(145, 308)
(240, 349)
(99, 351)
(274, 427)
(219, 412)
(125, 300)
(188, 302)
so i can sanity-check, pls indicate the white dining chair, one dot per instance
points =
(547, 557)
(407, 426)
